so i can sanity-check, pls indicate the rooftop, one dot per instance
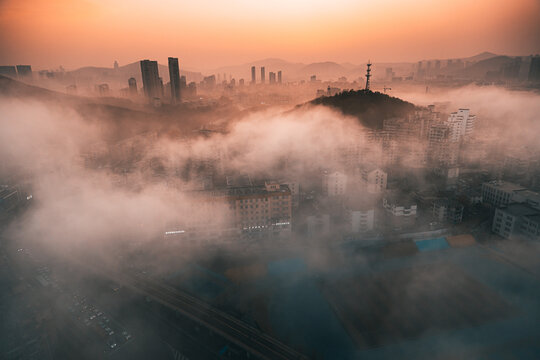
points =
(505, 186)
(520, 209)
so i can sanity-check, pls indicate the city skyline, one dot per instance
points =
(49, 34)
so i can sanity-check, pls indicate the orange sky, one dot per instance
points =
(210, 33)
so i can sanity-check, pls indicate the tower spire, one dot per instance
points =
(368, 74)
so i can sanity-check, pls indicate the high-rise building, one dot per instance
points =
(183, 83)
(174, 75)
(8, 71)
(253, 77)
(534, 69)
(279, 80)
(132, 83)
(511, 69)
(461, 124)
(150, 76)
(442, 151)
(209, 82)
(115, 65)
(334, 183)
(373, 178)
(272, 77)
(263, 75)
(24, 71)
(420, 71)
(389, 74)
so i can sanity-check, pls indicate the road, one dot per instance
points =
(243, 335)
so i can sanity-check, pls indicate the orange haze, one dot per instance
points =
(210, 33)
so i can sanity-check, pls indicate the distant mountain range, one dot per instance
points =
(477, 67)
(327, 70)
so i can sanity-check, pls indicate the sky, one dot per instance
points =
(206, 34)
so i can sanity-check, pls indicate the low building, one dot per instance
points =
(447, 210)
(230, 212)
(501, 193)
(262, 208)
(517, 220)
(362, 220)
(318, 225)
(400, 209)
(361, 210)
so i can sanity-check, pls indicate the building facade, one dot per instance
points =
(152, 85)
(334, 183)
(174, 76)
(517, 220)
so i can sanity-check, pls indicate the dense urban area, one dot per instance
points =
(271, 210)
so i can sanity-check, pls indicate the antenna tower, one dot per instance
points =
(368, 74)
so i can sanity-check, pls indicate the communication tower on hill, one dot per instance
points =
(368, 74)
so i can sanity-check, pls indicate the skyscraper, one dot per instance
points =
(253, 78)
(534, 69)
(279, 77)
(8, 71)
(263, 77)
(132, 83)
(150, 78)
(24, 71)
(272, 77)
(174, 75)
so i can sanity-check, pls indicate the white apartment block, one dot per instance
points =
(334, 183)
(373, 179)
(461, 124)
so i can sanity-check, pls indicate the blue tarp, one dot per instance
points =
(432, 244)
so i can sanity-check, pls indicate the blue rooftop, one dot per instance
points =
(432, 244)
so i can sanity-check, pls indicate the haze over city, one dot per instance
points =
(269, 180)
(209, 34)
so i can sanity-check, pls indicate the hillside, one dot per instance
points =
(371, 108)
(480, 57)
(324, 70)
(120, 118)
(481, 68)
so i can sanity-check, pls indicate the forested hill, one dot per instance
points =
(371, 108)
